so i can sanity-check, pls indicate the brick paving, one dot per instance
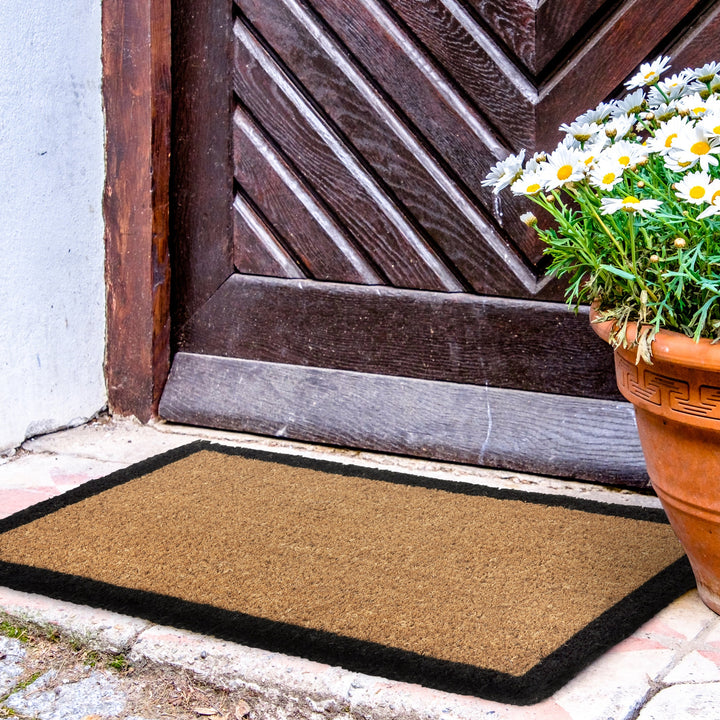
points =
(81, 663)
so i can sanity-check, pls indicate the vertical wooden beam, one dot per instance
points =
(137, 96)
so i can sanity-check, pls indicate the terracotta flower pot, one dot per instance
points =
(677, 407)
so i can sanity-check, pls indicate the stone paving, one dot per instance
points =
(62, 661)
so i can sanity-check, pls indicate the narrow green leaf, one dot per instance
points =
(617, 271)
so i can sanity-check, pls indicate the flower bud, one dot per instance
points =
(679, 242)
(654, 258)
(641, 183)
(529, 219)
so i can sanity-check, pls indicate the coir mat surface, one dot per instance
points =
(500, 594)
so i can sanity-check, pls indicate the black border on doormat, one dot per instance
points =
(550, 674)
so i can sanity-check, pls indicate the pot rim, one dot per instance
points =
(668, 346)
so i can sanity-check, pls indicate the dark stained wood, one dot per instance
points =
(136, 91)
(532, 118)
(301, 218)
(460, 338)
(372, 122)
(345, 183)
(410, 77)
(701, 42)
(258, 249)
(202, 165)
(534, 31)
(522, 431)
(489, 77)
(559, 23)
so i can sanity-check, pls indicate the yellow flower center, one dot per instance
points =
(564, 172)
(533, 188)
(624, 160)
(669, 140)
(715, 196)
(700, 148)
(649, 76)
(630, 200)
(699, 110)
(608, 178)
(697, 192)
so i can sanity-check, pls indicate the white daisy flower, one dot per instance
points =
(667, 134)
(580, 131)
(626, 153)
(570, 142)
(713, 199)
(606, 175)
(596, 115)
(505, 172)
(693, 146)
(564, 165)
(664, 111)
(537, 161)
(530, 183)
(630, 104)
(529, 219)
(673, 88)
(674, 163)
(710, 123)
(649, 73)
(707, 72)
(696, 106)
(695, 188)
(619, 127)
(592, 152)
(629, 204)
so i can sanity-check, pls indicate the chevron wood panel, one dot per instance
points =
(536, 30)
(527, 113)
(363, 130)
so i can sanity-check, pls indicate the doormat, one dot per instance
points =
(500, 594)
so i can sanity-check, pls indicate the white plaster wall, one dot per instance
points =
(52, 315)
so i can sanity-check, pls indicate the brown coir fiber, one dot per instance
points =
(454, 575)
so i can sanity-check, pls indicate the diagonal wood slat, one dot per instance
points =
(691, 47)
(258, 249)
(586, 75)
(631, 34)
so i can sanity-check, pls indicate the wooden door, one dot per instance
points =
(341, 275)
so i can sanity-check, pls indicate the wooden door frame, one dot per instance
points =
(136, 50)
(136, 54)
